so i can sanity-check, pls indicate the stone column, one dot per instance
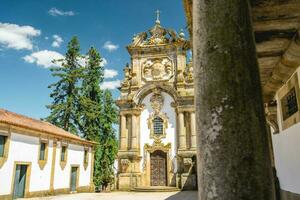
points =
(134, 131)
(193, 130)
(123, 133)
(181, 129)
(233, 155)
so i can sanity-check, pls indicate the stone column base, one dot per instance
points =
(128, 181)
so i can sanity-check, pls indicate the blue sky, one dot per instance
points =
(33, 31)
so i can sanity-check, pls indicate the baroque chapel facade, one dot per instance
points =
(157, 118)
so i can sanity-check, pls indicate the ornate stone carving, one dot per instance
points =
(128, 76)
(157, 35)
(163, 116)
(125, 164)
(188, 74)
(156, 100)
(157, 69)
(180, 77)
(188, 164)
(157, 145)
(139, 39)
(134, 81)
(187, 161)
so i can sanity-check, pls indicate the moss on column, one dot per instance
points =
(233, 155)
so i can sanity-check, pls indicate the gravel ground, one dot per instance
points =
(186, 195)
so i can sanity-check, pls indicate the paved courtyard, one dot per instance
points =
(186, 195)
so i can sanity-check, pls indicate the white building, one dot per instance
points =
(284, 116)
(38, 159)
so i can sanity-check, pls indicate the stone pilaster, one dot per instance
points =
(134, 139)
(182, 132)
(193, 130)
(123, 133)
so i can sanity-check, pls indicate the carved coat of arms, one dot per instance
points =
(157, 69)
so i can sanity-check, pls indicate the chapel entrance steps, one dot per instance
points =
(156, 189)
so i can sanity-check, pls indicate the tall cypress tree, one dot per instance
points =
(65, 90)
(97, 114)
(90, 104)
(109, 146)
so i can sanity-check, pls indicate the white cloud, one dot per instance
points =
(17, 37)
(108, 45)
(110, 85)
(57, 40)
(110, 73)
(56, 12)
(82, 60)
(43, 58)
(103, 62)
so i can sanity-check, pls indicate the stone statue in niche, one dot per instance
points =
(157, 69)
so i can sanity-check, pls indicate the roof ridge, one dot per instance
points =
(13, 118)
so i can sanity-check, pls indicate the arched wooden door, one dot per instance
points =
(158, 168)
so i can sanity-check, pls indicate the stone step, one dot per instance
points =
(156, 189)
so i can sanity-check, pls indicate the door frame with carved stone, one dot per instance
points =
(158, 168)
(148, 149)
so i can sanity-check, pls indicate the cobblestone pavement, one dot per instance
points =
(186, 195)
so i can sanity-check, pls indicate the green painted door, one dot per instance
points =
(73, 178)
(20, 181)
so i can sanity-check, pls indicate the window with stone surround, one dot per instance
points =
(86, 157)
(43, 153)
(63, 155)
(42, 150)
(289, 104)
(158, 125)
(2, 144)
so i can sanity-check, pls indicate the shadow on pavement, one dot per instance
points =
(184, 195)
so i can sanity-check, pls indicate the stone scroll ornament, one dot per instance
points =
(157, 69)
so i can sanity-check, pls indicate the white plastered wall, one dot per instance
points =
(24, 148)
(75, 157)
(286, 147)
(170, 131)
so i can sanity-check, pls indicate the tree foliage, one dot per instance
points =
(80, 106)
(65, 90)
(109, 147)
(90, 101)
